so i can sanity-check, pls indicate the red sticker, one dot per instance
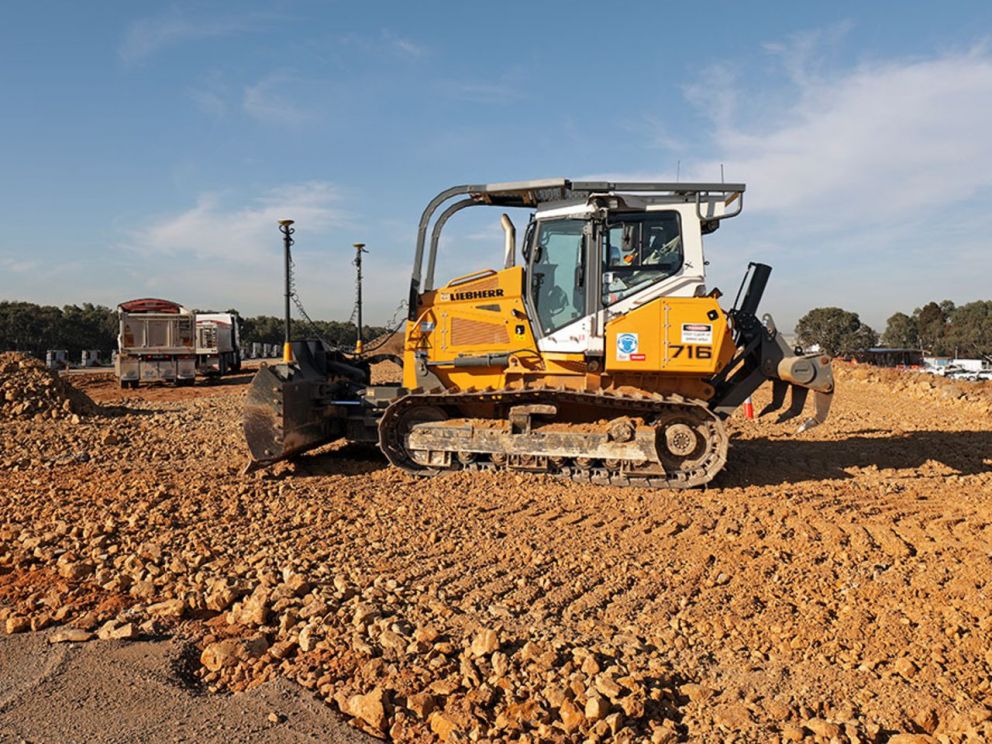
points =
(637, 357)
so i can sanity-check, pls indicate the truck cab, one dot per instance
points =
(218, 343)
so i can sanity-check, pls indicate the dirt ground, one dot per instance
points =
(831, 586)
(144, 691)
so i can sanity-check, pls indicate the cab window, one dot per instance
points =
(158, 333)
(640, 250)
(557, 282)
(186, 332)
(133, 334)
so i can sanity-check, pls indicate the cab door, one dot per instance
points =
(558, 284)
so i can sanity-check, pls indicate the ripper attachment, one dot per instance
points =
(764, 355)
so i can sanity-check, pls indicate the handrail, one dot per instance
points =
(436, 234)
(737, 196)
(535, 193)
(458, 281)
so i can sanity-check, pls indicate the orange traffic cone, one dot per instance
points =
(749, 408)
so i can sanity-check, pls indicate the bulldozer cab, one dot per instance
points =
(592, 250)
(582, 266)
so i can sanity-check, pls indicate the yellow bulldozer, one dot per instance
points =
(595, 352)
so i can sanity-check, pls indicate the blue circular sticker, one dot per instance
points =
(627, 343)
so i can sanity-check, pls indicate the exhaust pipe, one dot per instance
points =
(510, 241)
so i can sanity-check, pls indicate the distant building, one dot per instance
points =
(886, 357)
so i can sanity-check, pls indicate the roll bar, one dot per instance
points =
(535, 193)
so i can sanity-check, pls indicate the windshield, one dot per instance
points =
(557, 278)
(640, 250)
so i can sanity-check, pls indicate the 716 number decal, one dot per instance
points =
(692, 352)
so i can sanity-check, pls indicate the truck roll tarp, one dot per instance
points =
(150, 305)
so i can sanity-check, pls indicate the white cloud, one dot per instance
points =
(147, 36)
(385, 42)
(221, 254)
(881, 143)
(857, 176)
(267, 102)
(247, 234)
(402, 45)
(17, 266)
(802, 54)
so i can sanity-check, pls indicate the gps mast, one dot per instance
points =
(359, 250)
(286, 228)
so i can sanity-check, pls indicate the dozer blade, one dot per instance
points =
(283, 415)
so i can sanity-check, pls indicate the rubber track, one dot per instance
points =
(391, 440)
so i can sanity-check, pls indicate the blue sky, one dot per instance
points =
(150, 148)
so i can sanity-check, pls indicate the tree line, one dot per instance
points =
(25, 326)
(938, 328)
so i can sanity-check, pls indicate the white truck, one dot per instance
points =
(156, 343)
(218, 343)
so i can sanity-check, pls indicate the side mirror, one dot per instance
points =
(628, 237)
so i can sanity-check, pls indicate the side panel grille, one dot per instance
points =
(467, 332)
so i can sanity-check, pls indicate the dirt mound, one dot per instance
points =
(927, 388)
(28, 389)
(387, 343)
(387, 372)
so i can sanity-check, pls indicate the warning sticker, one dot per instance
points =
(627, 346)
(697, 333)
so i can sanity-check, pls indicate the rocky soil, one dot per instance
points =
(29, 390)
(828, 587)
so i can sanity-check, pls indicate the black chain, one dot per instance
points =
(299, 305)
(394, 324)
